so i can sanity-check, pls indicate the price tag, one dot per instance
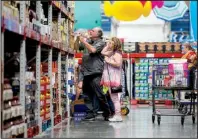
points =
(149, 55)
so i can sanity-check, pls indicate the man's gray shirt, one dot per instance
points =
(93, 63)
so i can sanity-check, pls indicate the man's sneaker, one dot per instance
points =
(116, 118)
(89, 117)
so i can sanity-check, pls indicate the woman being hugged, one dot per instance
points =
(112, 74)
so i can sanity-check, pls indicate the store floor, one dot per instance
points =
(137, 124)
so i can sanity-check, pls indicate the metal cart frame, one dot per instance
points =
(175, 111)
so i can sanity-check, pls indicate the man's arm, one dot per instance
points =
(89, 47)
(93, 48)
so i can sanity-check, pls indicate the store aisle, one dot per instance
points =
(137, 124)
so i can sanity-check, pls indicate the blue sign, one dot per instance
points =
(105, 22)
(182, 24)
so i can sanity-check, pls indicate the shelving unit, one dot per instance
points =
(37, 53)
(143, 80)
(146, 55)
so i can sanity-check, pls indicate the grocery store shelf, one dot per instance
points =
(42, 56)
(61, 7)
(155, 55)
(14, 27)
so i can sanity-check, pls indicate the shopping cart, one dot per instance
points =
(175, 77)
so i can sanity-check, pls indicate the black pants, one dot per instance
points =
(93, 89)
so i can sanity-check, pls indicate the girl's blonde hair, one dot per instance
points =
(117, 44)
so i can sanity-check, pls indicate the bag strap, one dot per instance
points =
(108, 74)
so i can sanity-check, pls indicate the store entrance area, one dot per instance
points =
(138, 124)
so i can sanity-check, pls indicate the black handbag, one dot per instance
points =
(117, 89)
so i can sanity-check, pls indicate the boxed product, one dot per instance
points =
(55, 30)
(141, 95)
(159, 48)
(168, 47)
(150, 47)
(177, 47)
(142, 47)
(178, 70)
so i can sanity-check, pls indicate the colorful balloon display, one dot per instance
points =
(130, 10)
(159, 4)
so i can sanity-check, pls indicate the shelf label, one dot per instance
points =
(149, 55)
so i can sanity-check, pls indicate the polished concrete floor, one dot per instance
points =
(137, 124)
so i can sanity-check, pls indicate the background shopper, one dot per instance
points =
(112, 73)
(191, 56)
(92, 69)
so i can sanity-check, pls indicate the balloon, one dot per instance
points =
(107, 8)
(127, 10)
(147, 9)
(159, 4)
(143, 2)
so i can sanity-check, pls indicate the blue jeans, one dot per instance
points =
(110, 102)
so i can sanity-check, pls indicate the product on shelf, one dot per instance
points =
(64, 86)
(12, 118)
(45, 105)
(31, 107)
(150, 47)
(168, 47)
(157, 47)
(20, 115)
(141, 48)
(143, 79)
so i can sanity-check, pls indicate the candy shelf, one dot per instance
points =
(33, 52)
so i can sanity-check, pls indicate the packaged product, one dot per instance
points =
(177, 48)
(150, 47)
(141, 47)
(159, 48)
(168, 47)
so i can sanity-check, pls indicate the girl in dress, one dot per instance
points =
(112, 73)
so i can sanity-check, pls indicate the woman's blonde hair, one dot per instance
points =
(117, 44)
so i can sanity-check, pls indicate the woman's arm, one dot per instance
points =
(116, 61)
(106, 51)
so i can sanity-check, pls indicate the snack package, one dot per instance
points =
(159, 48)
(150, 47)
(168, 47)
(177, 48)
(178, 70)
(141, 47)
